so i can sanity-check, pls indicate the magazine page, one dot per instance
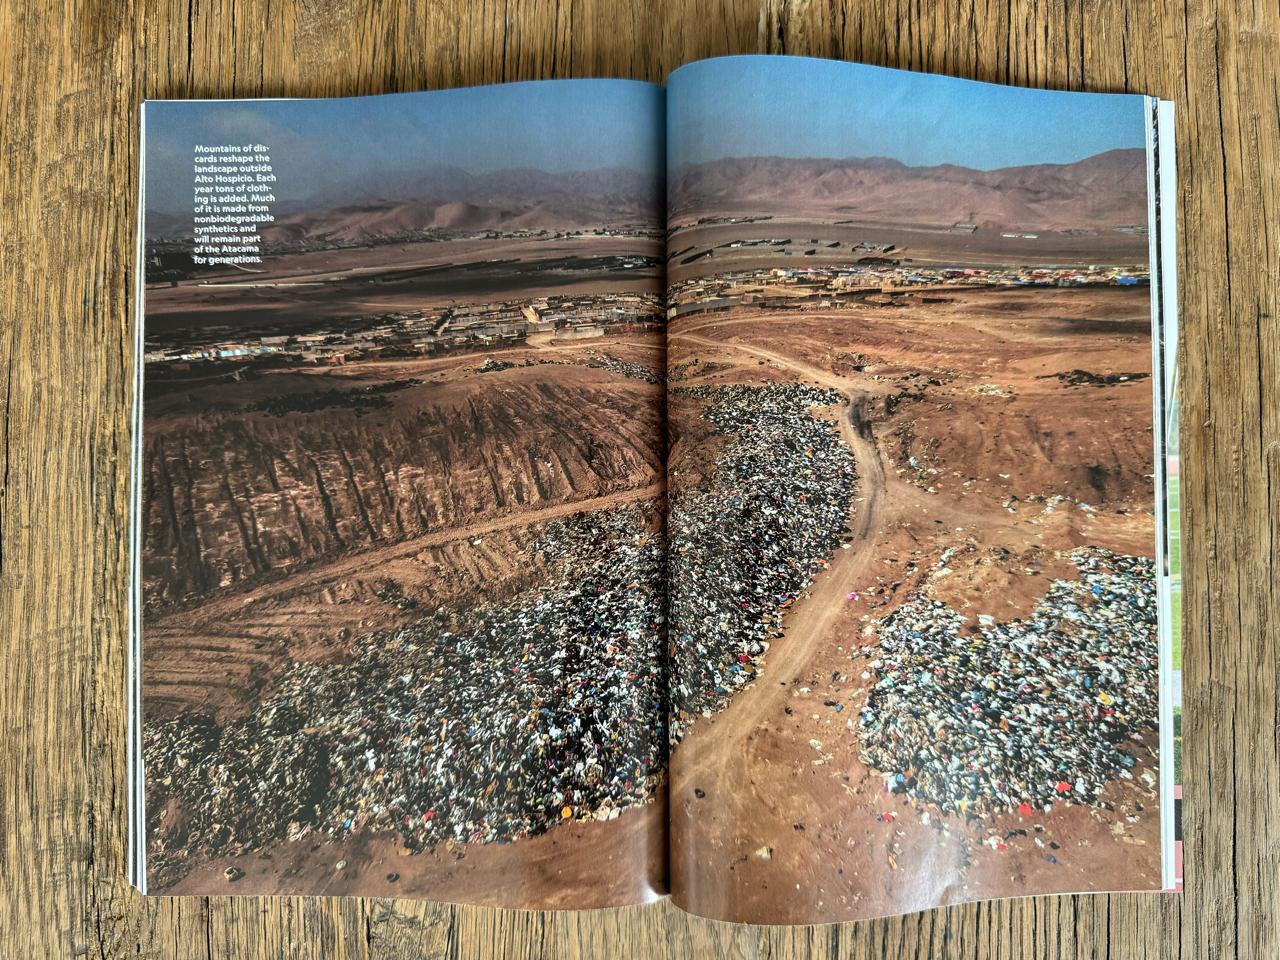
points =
(1161, 186)
(400, 497)
(913, 544)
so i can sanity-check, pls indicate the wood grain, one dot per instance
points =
(74, 74)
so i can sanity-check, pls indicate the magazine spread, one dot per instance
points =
(758, 490)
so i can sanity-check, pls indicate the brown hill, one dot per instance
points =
(449, 199)
(1105, 190)
(386, 218)
(402, 203)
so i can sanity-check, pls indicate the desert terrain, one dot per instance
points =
(349, 285)
(423, 495)
(752, 213)
(403, 520)
(993, 433)
(296, 513)
(1096, 193)
(280, 505)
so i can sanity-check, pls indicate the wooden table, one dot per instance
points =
(73, 78)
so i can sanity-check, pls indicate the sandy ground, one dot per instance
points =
(810, 238)
(766, 827)
(221, 651)
(218, 650)
(576, 866)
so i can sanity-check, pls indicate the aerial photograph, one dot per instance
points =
(912, 621)
(403, 501)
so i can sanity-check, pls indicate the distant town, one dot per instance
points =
(169, 254)
(474, 326)
(832, 287)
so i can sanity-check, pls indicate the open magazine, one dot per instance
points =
(753, 490)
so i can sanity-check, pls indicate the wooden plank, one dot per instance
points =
(74, 75)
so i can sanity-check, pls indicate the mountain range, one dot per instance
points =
(398, 203)
(1105, 190)
(450, 198)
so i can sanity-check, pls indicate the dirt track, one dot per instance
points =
(324, 574)
(549, 455)
(809, 620)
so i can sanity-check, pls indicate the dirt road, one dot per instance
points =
(314, 577)
(711, 749)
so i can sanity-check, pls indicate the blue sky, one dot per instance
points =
(802, 107)
(548, 125)
(728, 106)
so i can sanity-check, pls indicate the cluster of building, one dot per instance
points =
(782, 245)
(835, 286)
(676, 225)
(473, 326)
(169, 258)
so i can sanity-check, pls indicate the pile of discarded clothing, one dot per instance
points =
(749, 543)
(483, 726)
(625, 368)
(1023, 714)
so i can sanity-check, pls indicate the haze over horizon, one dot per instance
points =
(321, 147)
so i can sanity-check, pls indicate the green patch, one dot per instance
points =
(1176, 626)
(1173, 519)
(1177, 744)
